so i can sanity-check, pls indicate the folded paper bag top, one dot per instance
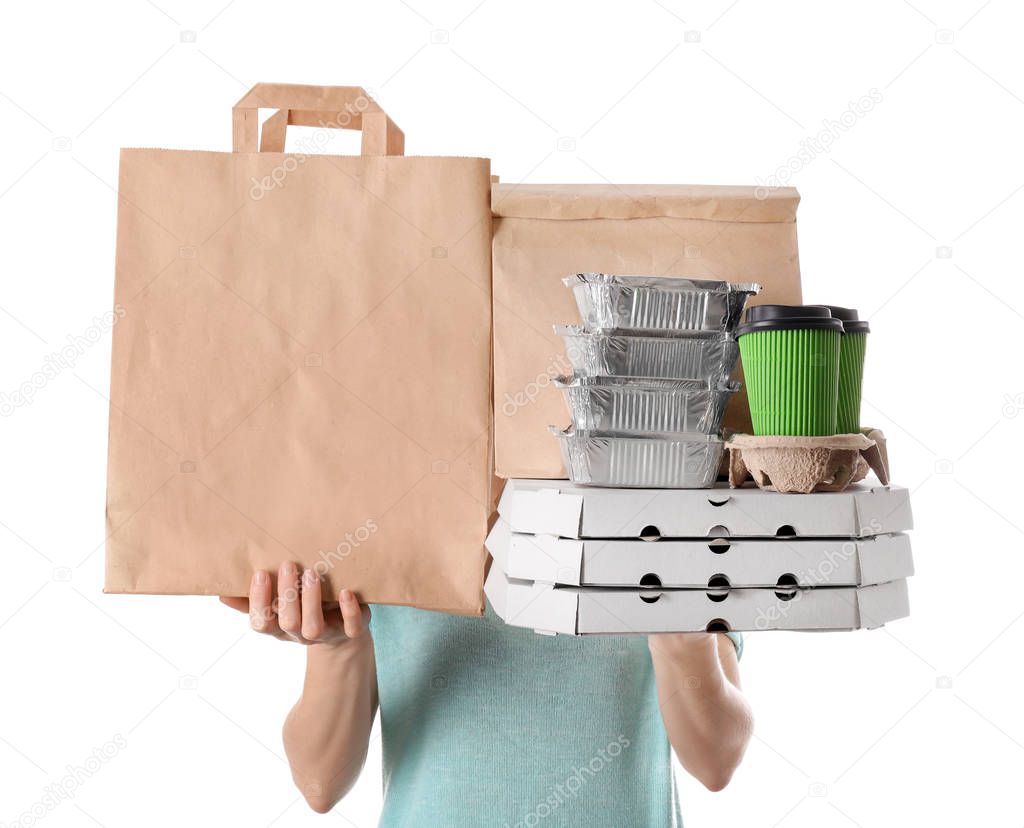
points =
(302, 369)
(705, 202)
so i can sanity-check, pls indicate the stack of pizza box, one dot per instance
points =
(579, 560)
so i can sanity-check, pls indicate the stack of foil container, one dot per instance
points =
(651, 379)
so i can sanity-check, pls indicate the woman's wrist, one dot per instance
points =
(688, 660)
(684, 645)
(339, 657)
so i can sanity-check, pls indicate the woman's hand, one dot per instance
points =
(297, 612)
(327, 733)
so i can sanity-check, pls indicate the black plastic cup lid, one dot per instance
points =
(852, 323)
(789, 318)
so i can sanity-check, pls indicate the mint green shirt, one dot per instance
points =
(489, 725)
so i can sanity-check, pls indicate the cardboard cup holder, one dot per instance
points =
(807, 464)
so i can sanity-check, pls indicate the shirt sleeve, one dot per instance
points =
(737, 639)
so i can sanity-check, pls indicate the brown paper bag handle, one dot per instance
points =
(331, 107)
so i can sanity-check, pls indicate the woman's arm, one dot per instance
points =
(708, 720)
(327, 732)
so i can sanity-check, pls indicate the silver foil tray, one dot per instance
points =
(640, 404)
(658, 303)
(666, 461)
(707, 357)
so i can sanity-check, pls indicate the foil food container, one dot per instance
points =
(693, 357)
(641, 404)
(658, 303)
(658, 461)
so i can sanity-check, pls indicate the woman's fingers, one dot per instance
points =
(312, 609)
(289, 608)
(297, 611)
(261, 609)
(352, 615)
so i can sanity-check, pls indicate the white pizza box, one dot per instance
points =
(804, 562)
(547, 608)
(568, 510)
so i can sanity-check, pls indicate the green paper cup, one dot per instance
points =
(851, 368)
(791, 368)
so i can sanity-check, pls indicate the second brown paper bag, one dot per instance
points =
(543, 232)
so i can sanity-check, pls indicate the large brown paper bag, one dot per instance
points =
(302, 369)
(543, 232)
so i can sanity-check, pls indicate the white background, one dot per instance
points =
(913, 215)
